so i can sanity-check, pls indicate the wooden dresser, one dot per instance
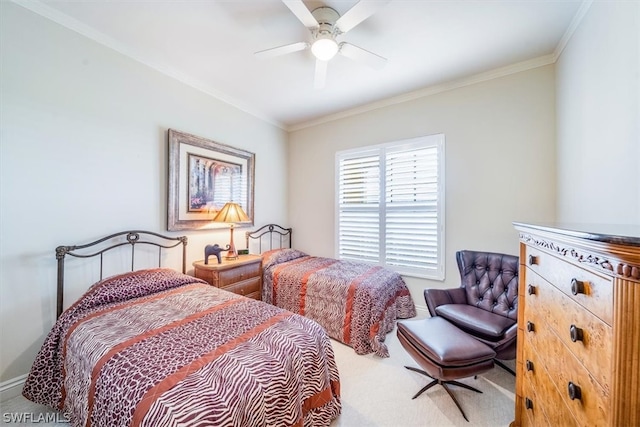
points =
(242, 276)
(578, 358)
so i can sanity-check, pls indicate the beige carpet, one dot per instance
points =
(377, 392)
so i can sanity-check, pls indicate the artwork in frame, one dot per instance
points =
(203, 176)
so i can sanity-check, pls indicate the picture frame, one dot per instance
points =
(203, 176)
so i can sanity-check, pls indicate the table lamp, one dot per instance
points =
(231, 213)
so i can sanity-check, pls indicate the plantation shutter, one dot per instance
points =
(359, 207)
(390, 206)
(411, 198)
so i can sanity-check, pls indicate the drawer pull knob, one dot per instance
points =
(533, 260)
(531, 290)
(577, 286)
(528, 403)
(529, 365)
(530, 327)
(577, 334)
(574, 391)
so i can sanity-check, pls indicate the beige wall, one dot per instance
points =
(500, 163)
(84, 154)
(598, 103)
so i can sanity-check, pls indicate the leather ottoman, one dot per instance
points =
(445, 353)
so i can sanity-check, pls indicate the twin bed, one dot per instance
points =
(158, 347)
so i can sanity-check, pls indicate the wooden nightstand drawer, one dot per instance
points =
(242, 276)
(249, 288)
(238, 274)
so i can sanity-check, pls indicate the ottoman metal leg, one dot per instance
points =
(444, 384)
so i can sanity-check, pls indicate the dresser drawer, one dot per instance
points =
(563, 368)
(592, 291)
(238, 274)
(249, 288)
(547, 406)
(571, 322)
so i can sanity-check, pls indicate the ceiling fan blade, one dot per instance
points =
(282, 50)
(359, 54)
(358, 13)
(302, 12)
(321, 74)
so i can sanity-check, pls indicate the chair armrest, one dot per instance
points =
(511, 333)
(436, 297)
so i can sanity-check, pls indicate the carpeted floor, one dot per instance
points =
(377, 392)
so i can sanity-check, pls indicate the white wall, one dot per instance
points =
(500, 163)
(84, 153)
(598, 104)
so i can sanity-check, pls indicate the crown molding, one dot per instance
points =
(431, 90)
(573, 26)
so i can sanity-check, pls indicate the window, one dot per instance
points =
(390, 206)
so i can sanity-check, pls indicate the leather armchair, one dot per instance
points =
(486, 303)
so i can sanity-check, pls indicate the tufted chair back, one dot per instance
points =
(490, 281)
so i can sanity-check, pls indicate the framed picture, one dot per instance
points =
(203, 176)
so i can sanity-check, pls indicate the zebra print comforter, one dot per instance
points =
(159, 348)
(356, 303)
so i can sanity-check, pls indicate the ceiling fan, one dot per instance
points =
(326, 25)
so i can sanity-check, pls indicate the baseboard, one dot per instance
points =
(12, 388)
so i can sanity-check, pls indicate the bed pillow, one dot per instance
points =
(127, 286)
(278, 256)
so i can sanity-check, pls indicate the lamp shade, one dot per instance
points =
(231, 212)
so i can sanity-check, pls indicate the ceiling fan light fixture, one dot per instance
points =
(324, 48)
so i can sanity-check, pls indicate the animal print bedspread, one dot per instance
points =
(356, 303)
(158, 348)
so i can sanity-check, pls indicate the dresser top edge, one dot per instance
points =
(617, 234)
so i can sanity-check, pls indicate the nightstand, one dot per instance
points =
(241, 276)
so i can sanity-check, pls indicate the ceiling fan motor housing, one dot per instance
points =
(326, 18)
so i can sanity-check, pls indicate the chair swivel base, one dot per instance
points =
(444, 385)
(505, 367)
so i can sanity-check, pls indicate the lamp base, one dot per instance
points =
(231, 253)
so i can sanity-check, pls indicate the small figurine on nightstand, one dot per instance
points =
(213, 250)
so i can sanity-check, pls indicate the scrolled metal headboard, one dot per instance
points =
(283, 234)
(123, 238)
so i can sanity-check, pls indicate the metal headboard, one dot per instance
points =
(282, 235)
(130, 238)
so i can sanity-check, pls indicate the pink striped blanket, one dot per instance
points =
(356, 303)
(159, 348)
